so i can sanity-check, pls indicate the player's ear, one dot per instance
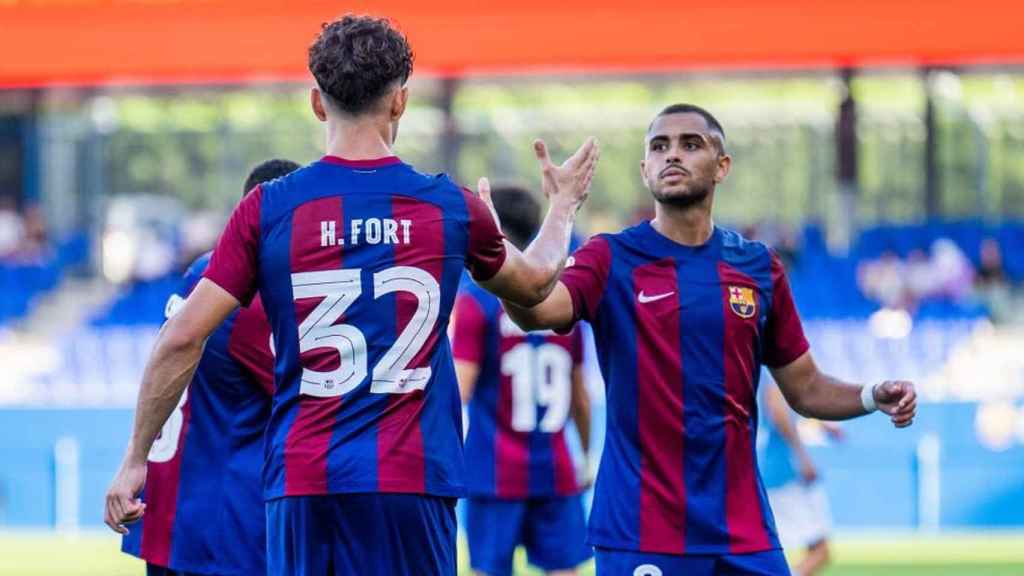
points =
(724, 164)
(398, 102)
(643, 172)
(316, 100)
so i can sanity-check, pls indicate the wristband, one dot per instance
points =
(867, 398)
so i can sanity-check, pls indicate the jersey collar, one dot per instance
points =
(363, 164)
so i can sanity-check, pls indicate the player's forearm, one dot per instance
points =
(545, 257)
(580, 407)
(827, 398)
(166, 376)
(581, 416)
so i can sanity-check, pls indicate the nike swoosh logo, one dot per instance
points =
(644, 299)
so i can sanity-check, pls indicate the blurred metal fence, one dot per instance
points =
(784, 151)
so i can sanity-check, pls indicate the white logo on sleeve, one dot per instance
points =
(174, 305)
(647, 570)
(645, 299)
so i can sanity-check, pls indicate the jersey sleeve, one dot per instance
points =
(469, 329)
(785, 341)
(234, 260)
(486, 252)
(586, 275)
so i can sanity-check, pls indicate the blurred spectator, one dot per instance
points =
(952, 272)
(991, 271)
(12, 229)
(34, 246)
(883, 280)
(946, 274)
(991, 283)
(920, 280)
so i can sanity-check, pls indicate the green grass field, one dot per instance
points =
(999, 554)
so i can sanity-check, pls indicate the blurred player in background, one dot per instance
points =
(204, 509)
(684, 314)
(795, 492)
(357, 258)
(521, 389)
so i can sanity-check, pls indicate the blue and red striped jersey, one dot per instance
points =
(681, 334)
(516, 446)
(358, 264)
(204, 508)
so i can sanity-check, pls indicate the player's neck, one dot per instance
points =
(689, 226)
(365, 139)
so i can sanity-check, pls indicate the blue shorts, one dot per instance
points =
(628, 563)
(552, 530)
(365, 534)
(154, 570)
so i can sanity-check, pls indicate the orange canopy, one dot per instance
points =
(45, 42)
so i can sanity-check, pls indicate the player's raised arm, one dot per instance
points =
(577, 294)
(526, 278)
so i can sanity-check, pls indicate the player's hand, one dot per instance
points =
(570, 182)
(586, 472)
(483, 190)
(123, 504)
(898, 399)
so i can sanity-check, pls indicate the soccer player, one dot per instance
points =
(791, 479)
(521, 389)
(357, 258)
(685, 313)
(204, 509)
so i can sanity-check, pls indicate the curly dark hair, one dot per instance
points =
(356, 59)
(519, 212)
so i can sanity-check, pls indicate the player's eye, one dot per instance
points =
(658, 146)
(691, 146)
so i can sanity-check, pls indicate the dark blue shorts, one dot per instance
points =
(628, 563)
(552, 529)
(365, 534)
(154, 570)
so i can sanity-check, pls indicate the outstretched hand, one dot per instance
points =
(568, 183)
(898, 399)
(123, 503)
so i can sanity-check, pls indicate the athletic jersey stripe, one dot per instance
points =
(162, 502)
(744, 516)
(511, 447)
(660, 407)
(401, 459)
(701, 340)
(309, 438)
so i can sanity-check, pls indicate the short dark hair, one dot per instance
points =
(713, 124)
(519, 212)
(356, 59)
(267, 171)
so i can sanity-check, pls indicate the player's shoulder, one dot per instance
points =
(739, 249)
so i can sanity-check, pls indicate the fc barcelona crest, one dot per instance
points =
(742, 301)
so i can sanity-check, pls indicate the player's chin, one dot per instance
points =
(676, 196)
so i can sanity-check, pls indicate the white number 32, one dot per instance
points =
(338, 290)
